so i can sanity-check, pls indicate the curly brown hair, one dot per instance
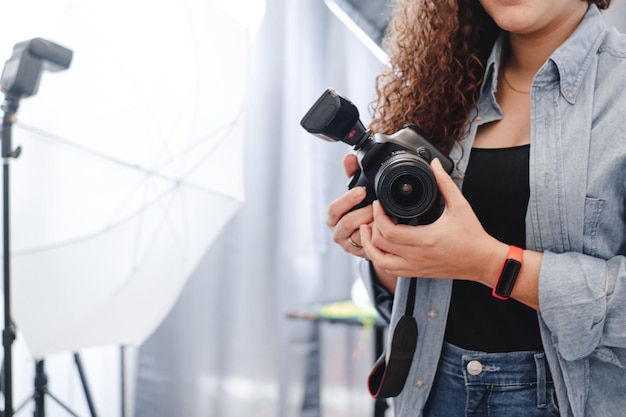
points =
(437, 51)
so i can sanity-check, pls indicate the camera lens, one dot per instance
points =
(407, 190)
(405, 186)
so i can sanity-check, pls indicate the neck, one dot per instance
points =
(529, 51)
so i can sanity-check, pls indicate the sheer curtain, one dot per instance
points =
(228, 347)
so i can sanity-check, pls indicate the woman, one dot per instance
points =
(528, 97)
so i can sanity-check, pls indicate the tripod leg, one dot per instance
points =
(2, 377)
(41, 390)
(123, 380)
(62, 405)
(41, 387)
(83, 379)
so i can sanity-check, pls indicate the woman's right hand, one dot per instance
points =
(345, 224)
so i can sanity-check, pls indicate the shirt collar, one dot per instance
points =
(573, 57)
(569, 61)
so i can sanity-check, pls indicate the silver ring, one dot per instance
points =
(353, 243)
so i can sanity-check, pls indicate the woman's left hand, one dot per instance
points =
(454, 246)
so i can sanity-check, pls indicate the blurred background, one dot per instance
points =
(190, 110)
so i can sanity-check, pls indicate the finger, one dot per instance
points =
(343, 205)
(385, 260)
(448, 189)
(380, 216)
(366, 241)
(382, 225)
(350, 164)
(353, 240)
(347, 227)
(386, 234)
(387, 227)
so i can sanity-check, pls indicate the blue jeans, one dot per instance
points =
(478, 384)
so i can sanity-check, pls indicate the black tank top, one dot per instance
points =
(496, 186)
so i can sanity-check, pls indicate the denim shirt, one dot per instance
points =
(575, 217)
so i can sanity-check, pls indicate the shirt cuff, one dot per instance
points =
(381, 298)
(573, 294)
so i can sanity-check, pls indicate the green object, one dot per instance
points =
(349, 310)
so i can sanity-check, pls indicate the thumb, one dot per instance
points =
(448, 189)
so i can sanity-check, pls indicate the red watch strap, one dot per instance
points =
(508, 274)
(515, 253)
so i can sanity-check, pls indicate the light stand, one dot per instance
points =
(8, 334)
(20, 79)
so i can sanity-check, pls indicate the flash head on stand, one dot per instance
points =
(22, 71)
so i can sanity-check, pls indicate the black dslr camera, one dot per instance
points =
(393, 169)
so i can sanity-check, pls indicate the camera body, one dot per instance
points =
(394, 169)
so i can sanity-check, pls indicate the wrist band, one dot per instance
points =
(508, 274)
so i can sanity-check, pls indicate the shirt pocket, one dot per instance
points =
(614, 356)
(594, 207)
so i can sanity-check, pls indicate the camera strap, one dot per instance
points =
(390, 371)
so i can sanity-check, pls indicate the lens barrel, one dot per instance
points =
(406, 186)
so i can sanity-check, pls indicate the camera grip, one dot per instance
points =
(359, 180)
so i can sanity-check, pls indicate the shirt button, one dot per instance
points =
(433, 314)
(419, 383)
(474, 368)
(478, 118)
(569, 95)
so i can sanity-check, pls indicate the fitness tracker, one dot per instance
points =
(510, 269)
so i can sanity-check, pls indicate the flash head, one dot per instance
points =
(22, 71)
(334, 118)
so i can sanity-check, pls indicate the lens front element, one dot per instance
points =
(405, 186)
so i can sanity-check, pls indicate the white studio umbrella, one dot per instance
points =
(131, 163)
